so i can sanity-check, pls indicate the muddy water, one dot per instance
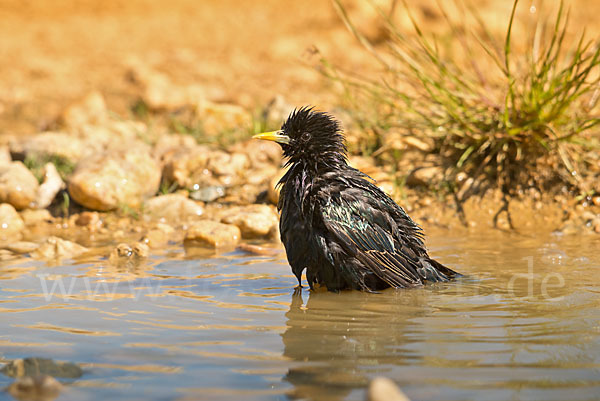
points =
(523, 325)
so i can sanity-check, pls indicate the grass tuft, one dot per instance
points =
(502, 118)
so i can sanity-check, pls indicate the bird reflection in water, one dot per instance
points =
(341, 341)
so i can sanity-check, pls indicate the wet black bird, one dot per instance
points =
(336, 223)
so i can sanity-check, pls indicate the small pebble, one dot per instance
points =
(384, 389)
(208, 194)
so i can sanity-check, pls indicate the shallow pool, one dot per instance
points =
(524, 324)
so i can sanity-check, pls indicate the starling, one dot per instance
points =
(336, 223)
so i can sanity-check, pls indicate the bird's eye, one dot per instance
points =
(305, 136)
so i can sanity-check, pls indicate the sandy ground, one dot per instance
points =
(53, 52)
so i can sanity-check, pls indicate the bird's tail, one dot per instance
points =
(433, 271)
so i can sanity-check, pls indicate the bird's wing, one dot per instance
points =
(367, 229)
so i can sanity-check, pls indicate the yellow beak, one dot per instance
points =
(277, 136)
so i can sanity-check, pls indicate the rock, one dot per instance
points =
(115, 178)
(367, 166)
(277, 110)
(41, 366)
(384, 389)
(243, 194)
(90, 220)
(5, 157)
(166, 145)
(588, 216)
(121, 251)
(36, 216)
(5, 254)
(425, 176)
(172, 208)
(201, 166)
(570, 228)
(113, 135)
(187, 166)
(228, 164)
(50, 186)
(253, 220)
(50, 145)
(219, 117)
(125, 254)
(214, 234)
(58, 248)
(596, 225)
(22, 247)
(18, 186)
(160, 93)
(160, 235)
(140, 250)
(89, 110)
(208, 194)
(36, 388)
(260, 153)
(156, 238)
(11, 223)
(261, 176)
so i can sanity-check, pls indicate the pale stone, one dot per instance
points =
(52, 184)
(50, 144)
(217, 118)
(18, 185)
(252, 220)
(214, 234)
(202, 166)
(35, 216)
(114, 179)
(425, 176)
(172, 208)
(112, 135)
(90, 109)
(5, 157)
(156, 238)
(11, 223)
(58, 248)
(260, 153)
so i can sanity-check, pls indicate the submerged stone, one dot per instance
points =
(34, 366)
(384, 389)
(36, 388)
